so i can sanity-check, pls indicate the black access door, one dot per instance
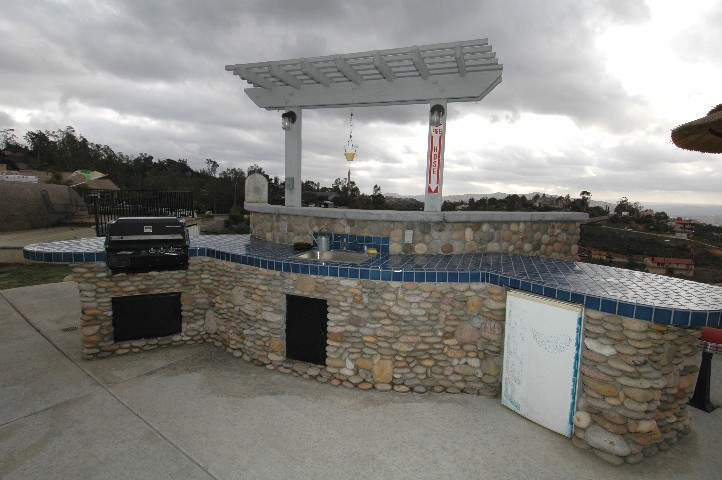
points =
(306, 324)
(146, 316)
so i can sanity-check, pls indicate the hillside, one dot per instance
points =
(630, 247)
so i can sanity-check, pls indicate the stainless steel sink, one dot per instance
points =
(341, 256)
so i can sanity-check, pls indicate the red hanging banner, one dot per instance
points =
(433, 176)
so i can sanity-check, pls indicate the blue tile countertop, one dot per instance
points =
(623, 292)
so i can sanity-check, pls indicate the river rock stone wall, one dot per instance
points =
(420, 337)
(636, 379)
(554, 239)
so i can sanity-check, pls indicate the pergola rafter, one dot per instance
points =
(458, 71)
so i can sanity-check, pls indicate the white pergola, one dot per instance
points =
(434, 74)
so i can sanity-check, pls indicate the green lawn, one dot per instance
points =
(14, 275)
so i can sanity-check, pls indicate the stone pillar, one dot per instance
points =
(636, 379)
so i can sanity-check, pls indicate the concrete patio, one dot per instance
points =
(199, 412)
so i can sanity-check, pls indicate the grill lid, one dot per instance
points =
(146, 229)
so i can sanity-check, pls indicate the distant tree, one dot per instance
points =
(311, 186)
(624, 205)
(211, 167)
(345, 194)
(585, 196)
(256, 169)
(378, 201)
(7, 137)
(236, 178)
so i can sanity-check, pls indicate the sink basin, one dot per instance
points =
(341, 256)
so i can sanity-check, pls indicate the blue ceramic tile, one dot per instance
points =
(592, 302)
(643, 312)
(313, 270)
(680, 317)
(662, 315)
(625, 309)
(419, 276)
(604, 286)
(699, 319)
(608, 306)
(374, 274)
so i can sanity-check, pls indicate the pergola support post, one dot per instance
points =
(293, 160)
(433, 186)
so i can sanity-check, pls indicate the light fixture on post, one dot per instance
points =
(436, 115)
(288, 119)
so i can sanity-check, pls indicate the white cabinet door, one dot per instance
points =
(541, 359)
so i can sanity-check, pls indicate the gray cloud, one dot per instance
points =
(149, 77)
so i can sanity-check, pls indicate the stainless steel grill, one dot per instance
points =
(144, 244)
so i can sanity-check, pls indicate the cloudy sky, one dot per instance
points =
(590, 89)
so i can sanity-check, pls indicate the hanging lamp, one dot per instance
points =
(349, 150)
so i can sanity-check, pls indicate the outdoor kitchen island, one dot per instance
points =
(432, 322)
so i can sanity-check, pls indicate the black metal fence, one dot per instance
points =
(107, 205)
